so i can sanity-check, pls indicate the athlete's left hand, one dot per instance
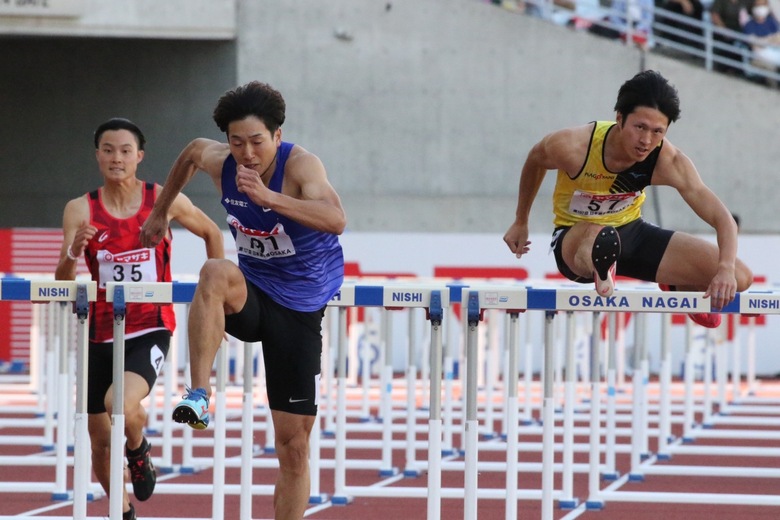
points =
(251, 183)
(722, 289)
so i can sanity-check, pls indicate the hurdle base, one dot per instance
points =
(450, 453)
(636, 477)
(412, 473)
(663, 456)
(188, 470)
(341, 500)
(61, 497)
(388, 472)
(47, 447)
(688, 440)
(318, 499)
(568, 504)
(594, 505)
(488, 436)
(645, 456)
(610, 476)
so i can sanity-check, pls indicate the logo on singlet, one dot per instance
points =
(103, 237)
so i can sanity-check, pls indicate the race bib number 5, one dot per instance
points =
(591, 204)
(138, 265)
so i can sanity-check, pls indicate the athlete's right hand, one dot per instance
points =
(516, 238)
(154, 229)
(83, 235)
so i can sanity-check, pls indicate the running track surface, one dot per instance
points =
(164, 505)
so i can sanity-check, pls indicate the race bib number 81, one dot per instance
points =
(261, 244)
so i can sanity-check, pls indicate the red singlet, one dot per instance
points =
(115, 254)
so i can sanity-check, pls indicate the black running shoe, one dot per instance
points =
(130, 514)
(605, 252)
(142, 471)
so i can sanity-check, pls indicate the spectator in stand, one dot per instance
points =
(692, 9)
(578, 14)
(725, 14)
(764, 30)
(638, 14)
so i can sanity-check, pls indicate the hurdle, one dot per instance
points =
(513, 300)
(79, 294)
(556, 299)
(120, 294)
(434, 298)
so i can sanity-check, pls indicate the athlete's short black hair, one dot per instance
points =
(253, 99)
(648, 89)
(120, 123)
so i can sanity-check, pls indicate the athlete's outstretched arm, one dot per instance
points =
(201, 154)
(678, 171)
(547, 154)
(198, 223)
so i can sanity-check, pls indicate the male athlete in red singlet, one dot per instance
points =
(105, 225)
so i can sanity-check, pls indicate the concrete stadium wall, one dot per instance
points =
(56, 91)
(422, 110)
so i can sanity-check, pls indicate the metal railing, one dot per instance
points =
(670, 34)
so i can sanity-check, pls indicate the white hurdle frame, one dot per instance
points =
(79, 294)
(435, 298)
(637, 300)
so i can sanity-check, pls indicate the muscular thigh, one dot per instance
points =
(689, 260)
(292, 348)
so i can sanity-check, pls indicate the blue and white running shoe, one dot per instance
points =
(194, 409)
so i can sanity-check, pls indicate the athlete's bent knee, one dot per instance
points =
(744, 278)
(214, 274)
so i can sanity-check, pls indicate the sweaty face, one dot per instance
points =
(118, 154)
(642, 131)
(252, 144)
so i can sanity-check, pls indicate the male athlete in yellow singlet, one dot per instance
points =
(603, 168)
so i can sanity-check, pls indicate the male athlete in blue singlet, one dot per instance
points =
(285, 217)
(603, 168)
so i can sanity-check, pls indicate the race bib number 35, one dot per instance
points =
(138, 265)
(590, 204)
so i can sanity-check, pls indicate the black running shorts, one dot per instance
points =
(144, 355)
(642, 246)
(292, 348)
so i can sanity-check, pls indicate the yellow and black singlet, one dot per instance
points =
(598, 195)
